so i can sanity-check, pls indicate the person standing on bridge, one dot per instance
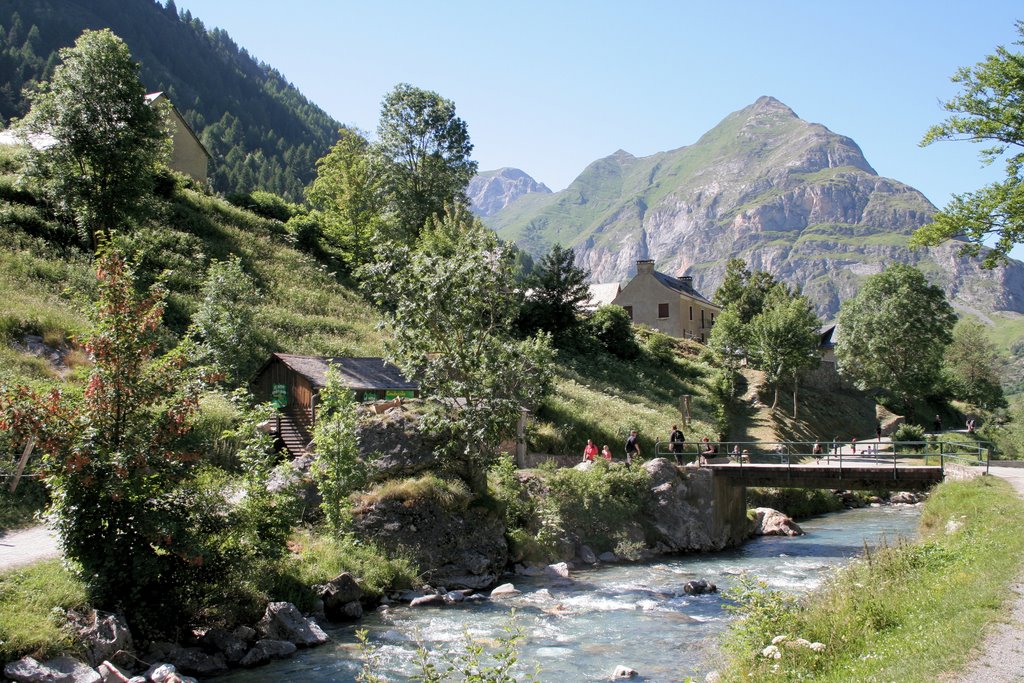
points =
(675, 442)
(816, 452)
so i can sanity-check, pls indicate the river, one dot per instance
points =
(635, 615)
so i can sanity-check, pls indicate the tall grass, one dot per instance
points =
(33, 600)
(911, 612)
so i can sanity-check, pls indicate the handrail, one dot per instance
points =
(790, 453)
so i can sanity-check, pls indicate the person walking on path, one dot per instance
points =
(632, 447)
(878, 432)
(937, 424)
(676, 441)
(590, 451)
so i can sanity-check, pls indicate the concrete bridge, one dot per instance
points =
(846, 475)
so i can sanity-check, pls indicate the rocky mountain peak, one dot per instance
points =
(491, 191)
(788, 196)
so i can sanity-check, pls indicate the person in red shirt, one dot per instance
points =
(590, 452)
(606, 453)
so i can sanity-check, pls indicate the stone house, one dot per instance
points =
(668, 304)
(188, 154)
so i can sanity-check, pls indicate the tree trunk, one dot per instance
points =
(796, 387)
(775, 401)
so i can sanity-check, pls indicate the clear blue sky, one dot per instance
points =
(549, 87)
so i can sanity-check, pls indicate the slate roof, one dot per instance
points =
(602, 294)
(829, 333)
(686, 288)
(358, 373)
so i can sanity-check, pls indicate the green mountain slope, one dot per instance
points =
(790, 197)
(261, 131)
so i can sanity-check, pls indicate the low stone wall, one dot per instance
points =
(957, 472)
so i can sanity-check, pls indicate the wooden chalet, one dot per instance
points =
(293, 384)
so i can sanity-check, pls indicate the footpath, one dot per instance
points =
(26, 546)
(1001, 658)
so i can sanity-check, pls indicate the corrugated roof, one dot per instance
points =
(360, 373)
(682, 287)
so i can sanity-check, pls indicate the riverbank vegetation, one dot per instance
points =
(890, 615)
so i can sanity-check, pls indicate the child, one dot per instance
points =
(606, 453)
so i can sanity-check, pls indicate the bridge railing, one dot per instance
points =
(934, 452)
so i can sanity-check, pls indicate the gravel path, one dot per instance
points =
(26, 546)
(1002, 652)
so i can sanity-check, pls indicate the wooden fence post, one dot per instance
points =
(21, 463)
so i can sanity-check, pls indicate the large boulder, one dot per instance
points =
(394, 442)
(229, 645)
(338, 595)
(458, 545)
(688, 514)
(105, 636)
(264, 650)
(284, 621)
(770, 522)
(189, 660)
(59, 670)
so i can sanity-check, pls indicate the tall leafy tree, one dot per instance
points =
(784, 337)
(989, 110)
(893, 334)
(744, 289)
(728, 343)
(108, 143)
(971, 364)
(453, 304)
(422, 152)
(346, 195)
(557, 290)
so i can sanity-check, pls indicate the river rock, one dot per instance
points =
(608, 556)
(770, 522)
(586, 555)
(246, 633)
(428, 600)
(283, 621)
(221, 640)
(503, 590)
(699, 587)
(266, 649)
(560, 570)
(689, 514)
(190, 660)
(904, 498)
(340, 592)
(105, 637)
(160, 672)
(624, 672)
(111, 673)
(59, 670)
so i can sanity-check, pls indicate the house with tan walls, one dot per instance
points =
(667, 303)
(188, 154)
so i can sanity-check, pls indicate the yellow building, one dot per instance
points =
(666, 303)
(188, 154)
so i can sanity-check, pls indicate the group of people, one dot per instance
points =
(676, 441)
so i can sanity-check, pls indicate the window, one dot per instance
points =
(629, 309)
(662, 310)
(691, 312)
(702, 318)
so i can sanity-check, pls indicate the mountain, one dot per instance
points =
(262, 132)
(790, 197)
(491, 191)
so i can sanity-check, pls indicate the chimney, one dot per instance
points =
(687, 280)
(645, 266)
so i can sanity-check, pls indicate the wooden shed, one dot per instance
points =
(293, 383)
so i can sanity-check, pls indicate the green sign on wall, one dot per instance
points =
(279, 396)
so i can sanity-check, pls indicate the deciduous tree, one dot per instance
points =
(971, 363)
(784, 338)
(108, 142)
(744, 289)
(989, 110)
(423, 156)
(452, 307)
(893, 334)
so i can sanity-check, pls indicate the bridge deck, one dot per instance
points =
(849, 475)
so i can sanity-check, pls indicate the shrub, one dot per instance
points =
(661, 347)
(265, 204)
(612, 326)
(305, 230)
